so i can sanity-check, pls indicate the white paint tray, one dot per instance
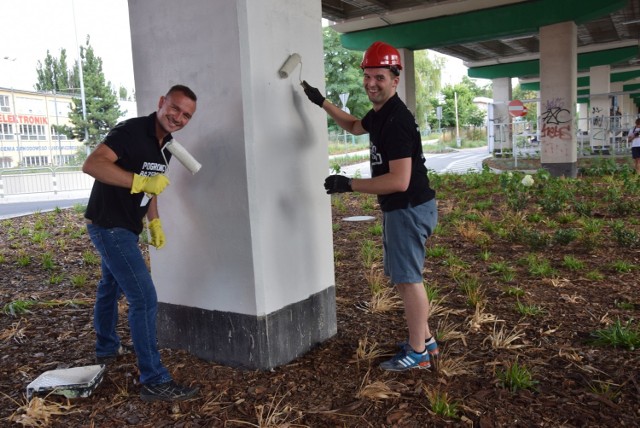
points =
(74, 382)
(359, 218)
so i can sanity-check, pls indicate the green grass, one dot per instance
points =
(618, 335)
(90, 258)
(530, 310)
(47, 261)
(500, 267)
(572, 263)
(437, 252)
(622, 266)
(18, 307)
(514, 291)
(433, 292)
(370, 253)
(516, 377)
(79, 280)
(442, 405)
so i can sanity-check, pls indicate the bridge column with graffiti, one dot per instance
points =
(599, 124)
(558, 96)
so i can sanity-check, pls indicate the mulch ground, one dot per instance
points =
(575, 383)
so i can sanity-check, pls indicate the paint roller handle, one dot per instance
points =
(313, 94)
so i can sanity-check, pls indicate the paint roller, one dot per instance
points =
(183, 156)
(289, 65)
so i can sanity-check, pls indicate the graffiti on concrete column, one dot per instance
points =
(556, 120)
(596, 117)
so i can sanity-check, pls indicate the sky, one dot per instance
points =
(31, 27)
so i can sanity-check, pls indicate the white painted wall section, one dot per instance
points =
(251, 232)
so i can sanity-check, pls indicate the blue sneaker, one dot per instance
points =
(407, 359)
(431, 345)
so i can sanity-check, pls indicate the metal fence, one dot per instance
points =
(602, 135)
(43, 180)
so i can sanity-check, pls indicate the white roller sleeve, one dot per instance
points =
(183, 156)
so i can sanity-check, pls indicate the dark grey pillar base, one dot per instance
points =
(252, 342)
(569, 170)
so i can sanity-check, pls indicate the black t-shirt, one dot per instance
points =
(134, 142)
(394, 134)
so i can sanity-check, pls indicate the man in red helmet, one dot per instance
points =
(399, 178)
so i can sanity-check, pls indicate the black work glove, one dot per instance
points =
(313, 94)
(337, 184)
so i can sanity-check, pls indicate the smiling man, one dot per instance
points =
(399, 178)
(128, 167)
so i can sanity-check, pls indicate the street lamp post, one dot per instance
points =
(55, 103)
(84, 104)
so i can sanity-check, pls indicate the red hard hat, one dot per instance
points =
(380, 54)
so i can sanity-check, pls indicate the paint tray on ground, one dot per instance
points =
(359, 218)
(73, 382)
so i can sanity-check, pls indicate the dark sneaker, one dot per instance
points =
(407, 359)
(168, 391)
(110, 359)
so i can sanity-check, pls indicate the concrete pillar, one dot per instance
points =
(583, 117)
(502, 93)
(246, 277)
(583, 128)
(617, 120)
(407, 87)
(627, 105)
(600, 108)
(558, 67)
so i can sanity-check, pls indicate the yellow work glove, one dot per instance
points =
(157, 235)
(150, 185)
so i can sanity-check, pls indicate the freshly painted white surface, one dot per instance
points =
(250, 232)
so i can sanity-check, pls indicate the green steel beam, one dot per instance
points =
(485, 24)
(532, 68)
(585, 81)
(624, 76)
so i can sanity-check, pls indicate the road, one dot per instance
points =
(460, 161)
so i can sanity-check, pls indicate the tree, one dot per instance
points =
(343, 75)
(468, 112)
(53, 75)
(101, 101)
(123, 94)
(476, 90)
(428, 84)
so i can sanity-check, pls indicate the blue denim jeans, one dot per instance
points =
(124, 270)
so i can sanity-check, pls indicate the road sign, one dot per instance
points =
(517, 109)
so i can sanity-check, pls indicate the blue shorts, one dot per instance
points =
(405, 233)
(635, 152)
